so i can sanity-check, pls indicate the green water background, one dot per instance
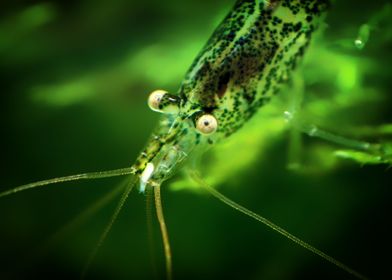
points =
(75, 76)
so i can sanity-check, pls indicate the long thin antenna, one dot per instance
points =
(108, 227)
(84, 176)
(76, 222)
(196, 176)
(165, 236)
(150, 229)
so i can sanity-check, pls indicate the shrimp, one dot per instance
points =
(244, 64)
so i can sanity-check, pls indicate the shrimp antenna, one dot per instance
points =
(81, 218)
(165, 236)
(150, 229)
(197, 178)
(83, 176)
(108, 227)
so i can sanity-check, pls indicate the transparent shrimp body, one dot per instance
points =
(165, 152)
(247, 59)
(241, 67)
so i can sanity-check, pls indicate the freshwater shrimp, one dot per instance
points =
(248, 58)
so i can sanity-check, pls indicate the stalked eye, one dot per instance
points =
(163, 102)
(155, 99)
(207, 124)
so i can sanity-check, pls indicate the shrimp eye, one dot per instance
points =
(163, 102)
(207, 124)
(155, 99)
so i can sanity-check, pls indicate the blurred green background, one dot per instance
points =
(75, 76)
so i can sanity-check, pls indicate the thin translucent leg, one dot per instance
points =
(197, 178)
(165, 236)
(295, 147)
(108, 227)
(314, 131)
(84, 176)
(295, 140)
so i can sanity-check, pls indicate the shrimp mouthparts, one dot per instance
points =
(146, 175)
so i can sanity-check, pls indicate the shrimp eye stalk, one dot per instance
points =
(206, 124)
(163, 102)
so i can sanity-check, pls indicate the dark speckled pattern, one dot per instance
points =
(244, 63)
